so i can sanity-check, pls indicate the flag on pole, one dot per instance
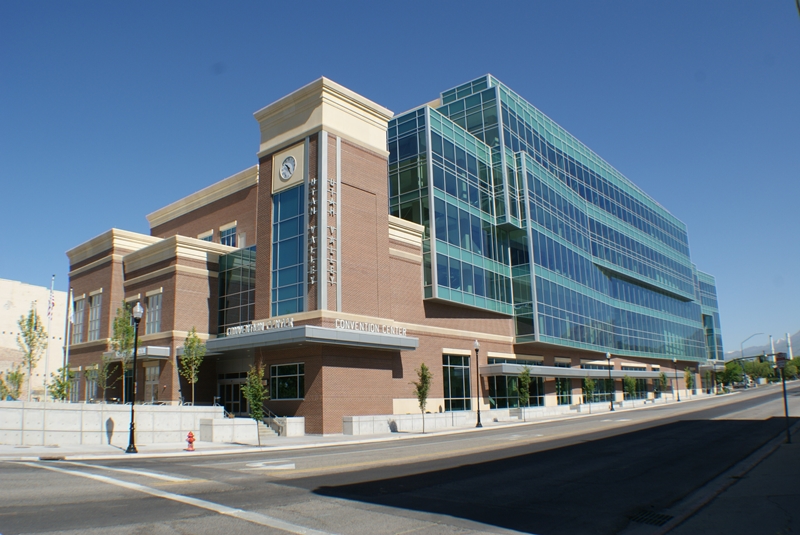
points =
(70, 309)
(51, 305)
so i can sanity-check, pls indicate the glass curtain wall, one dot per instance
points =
(433, 163)
(237, 289)
(707, 294)
(611, 266)
(288, 248)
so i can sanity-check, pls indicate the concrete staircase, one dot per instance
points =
(265, 432)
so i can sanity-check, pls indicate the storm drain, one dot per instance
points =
(651, 518)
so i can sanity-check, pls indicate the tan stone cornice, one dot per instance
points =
(174, 335)
(186, 270)
(397, 253)
(178, 247)
(96, 263)
(323, 105)
(220, 190)
(115, 238)
(405, 232)
(103, 342)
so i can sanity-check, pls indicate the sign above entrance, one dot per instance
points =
(283, 323)
(377, 328)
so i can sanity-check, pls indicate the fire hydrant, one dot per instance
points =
(190, 441)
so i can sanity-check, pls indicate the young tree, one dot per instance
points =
(524, 387)
(60, 384)
(422, 387)
(104, 376)
(663, 381)
(629, 385)
(255, 392)
(688, 377)
(193, 352)
(588, 389)
(122, 343)
(13, 382)
(32, 340)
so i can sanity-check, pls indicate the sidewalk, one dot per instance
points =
(178, 449)
(762, 500)
(117, 450)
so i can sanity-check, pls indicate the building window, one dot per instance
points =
(288, 248)
(503, 392)
(90, 377)
(634, 388)
(95, 302)
(456, 383)
(77, 325)
(151, 374)
(287, 381)
(206, 236)
(153, 314)
(228, 236)
(564, 390)
(74, 388)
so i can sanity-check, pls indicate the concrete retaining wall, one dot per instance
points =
(288, 426)
(231, 430)
(404, 423)
(45, 424)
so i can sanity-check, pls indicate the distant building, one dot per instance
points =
(15, 301)
(363, 244)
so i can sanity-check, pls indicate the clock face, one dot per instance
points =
(287, 167)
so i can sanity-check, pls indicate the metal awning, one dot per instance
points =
(311, 334)
(144, 353)
(557, 371)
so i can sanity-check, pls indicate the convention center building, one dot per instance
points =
(471, 234)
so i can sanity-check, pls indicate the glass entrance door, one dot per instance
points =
(232, 397)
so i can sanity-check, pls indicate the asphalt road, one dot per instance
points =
(584, 475)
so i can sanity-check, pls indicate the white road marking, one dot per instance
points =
(269, 465)
(248, 516)
(145, 473)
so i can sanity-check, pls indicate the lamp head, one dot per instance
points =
(137, 312)
(476, 345)
(608, 356)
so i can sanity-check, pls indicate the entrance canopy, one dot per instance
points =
(311, 334)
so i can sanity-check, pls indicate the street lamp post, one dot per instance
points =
(477, 347)
(741, 346)
(137, 312)
(610, 381)
(675, 386)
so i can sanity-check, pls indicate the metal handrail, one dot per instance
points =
(269, 415)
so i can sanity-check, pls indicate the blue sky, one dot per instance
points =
(111, 110)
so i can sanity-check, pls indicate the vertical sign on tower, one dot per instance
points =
(331, 238)
(312, 232)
